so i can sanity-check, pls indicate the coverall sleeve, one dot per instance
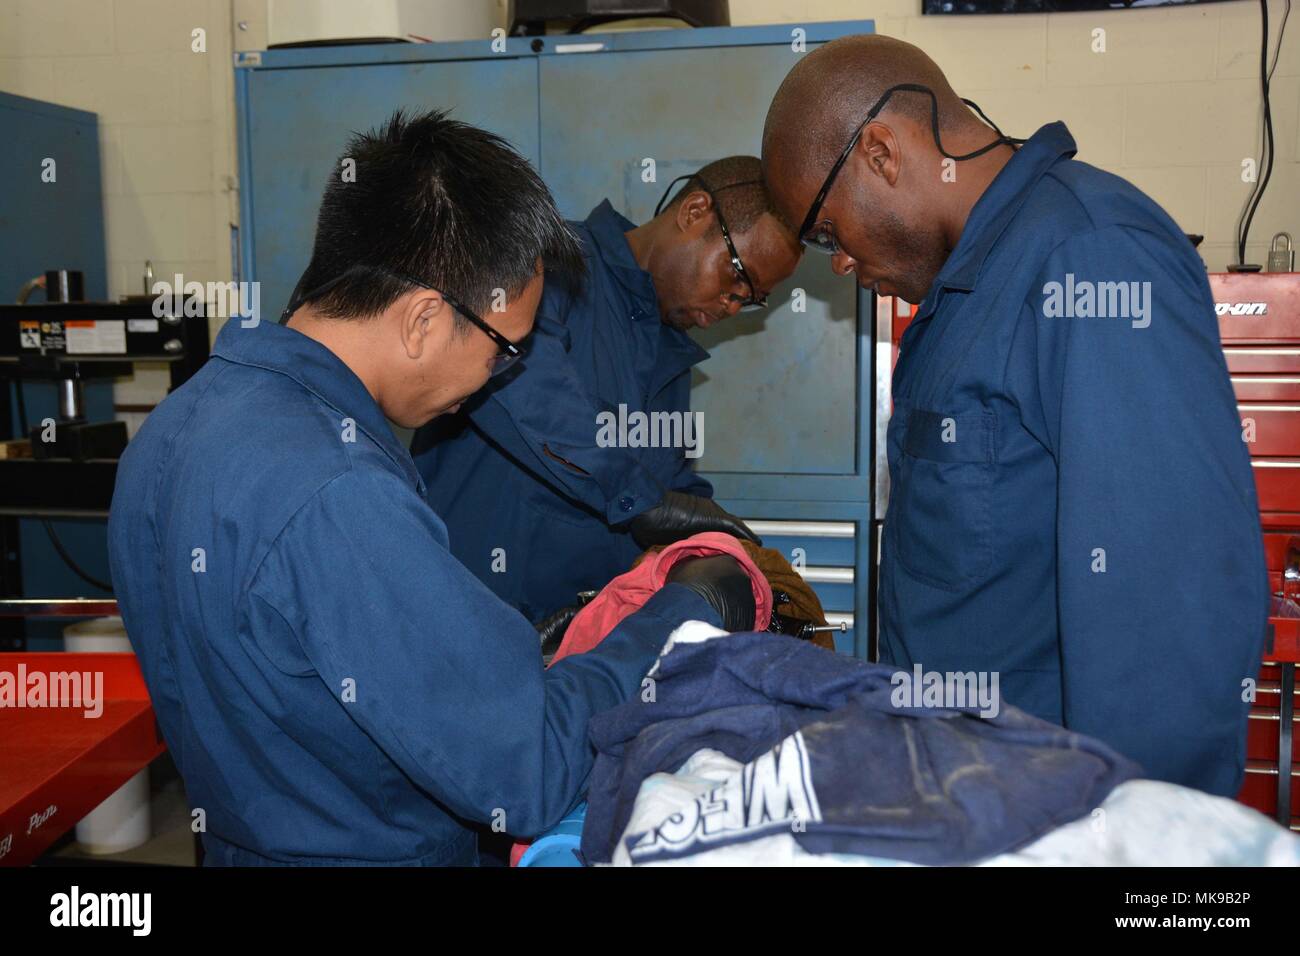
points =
(441, 674)
(687, 479)
(1162, 592)
(548, 408)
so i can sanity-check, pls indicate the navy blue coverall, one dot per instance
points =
(1071, 500)
(334, 686)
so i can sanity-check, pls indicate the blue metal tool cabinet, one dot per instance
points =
(51, 225)
(789, 397)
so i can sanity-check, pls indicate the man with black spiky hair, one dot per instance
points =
(276, 560)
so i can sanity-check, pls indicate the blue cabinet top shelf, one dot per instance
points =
(552, 45)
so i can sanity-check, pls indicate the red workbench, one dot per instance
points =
(57, 763)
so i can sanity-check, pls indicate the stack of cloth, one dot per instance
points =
(770, 574)
(820, 753)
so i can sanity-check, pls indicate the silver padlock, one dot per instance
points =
(1281, 260)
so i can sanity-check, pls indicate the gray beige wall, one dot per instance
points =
(1172, 104)
(166, 128)
(166, 118)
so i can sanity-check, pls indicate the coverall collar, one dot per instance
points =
(609, 229)
(998, 206)
(286, 351)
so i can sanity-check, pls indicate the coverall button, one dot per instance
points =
(625, 503)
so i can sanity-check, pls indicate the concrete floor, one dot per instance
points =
(171, 843)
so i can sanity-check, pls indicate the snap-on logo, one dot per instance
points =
(1241, 308)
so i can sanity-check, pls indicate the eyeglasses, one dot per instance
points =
(748, 303)
(819, 234)
(507, 352)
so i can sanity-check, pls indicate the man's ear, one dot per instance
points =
(693, 210)
(420, 319)
(881, 149)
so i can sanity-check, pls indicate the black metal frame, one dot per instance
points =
(54, 487)
(1285, 743)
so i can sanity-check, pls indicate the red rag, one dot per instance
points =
(629, 591)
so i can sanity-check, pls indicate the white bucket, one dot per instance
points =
(122, 821)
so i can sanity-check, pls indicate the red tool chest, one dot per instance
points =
(1259, 323)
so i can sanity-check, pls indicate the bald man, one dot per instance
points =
(1072, 506)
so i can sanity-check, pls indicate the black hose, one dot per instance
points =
(59, 549)
(71, 562)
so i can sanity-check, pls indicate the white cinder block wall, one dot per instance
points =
(166, 128)
(166, 118)
(1172, 104)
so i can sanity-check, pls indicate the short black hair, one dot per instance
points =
(736, 183)
(443, 202)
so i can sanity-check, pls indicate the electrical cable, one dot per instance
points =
(71, 562)
(1267, 147)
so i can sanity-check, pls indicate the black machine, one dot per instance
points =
(65, 467)
(73, 462)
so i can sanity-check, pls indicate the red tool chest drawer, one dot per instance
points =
(1282, 389)
(1277, 482)
(1262, 359)
(1271, 431)
(1262, 732)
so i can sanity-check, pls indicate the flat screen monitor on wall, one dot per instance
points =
(1041, 6)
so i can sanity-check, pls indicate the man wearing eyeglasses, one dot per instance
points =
(537, 507)
(275, 558)
(1071, 504)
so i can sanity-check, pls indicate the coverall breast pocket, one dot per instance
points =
(945, 532)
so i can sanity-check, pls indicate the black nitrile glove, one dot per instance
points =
(681, 515)
(720, 581)
(550, 629)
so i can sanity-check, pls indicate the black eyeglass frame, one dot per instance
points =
(810, 220)
(508, 353)
(752, 302)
